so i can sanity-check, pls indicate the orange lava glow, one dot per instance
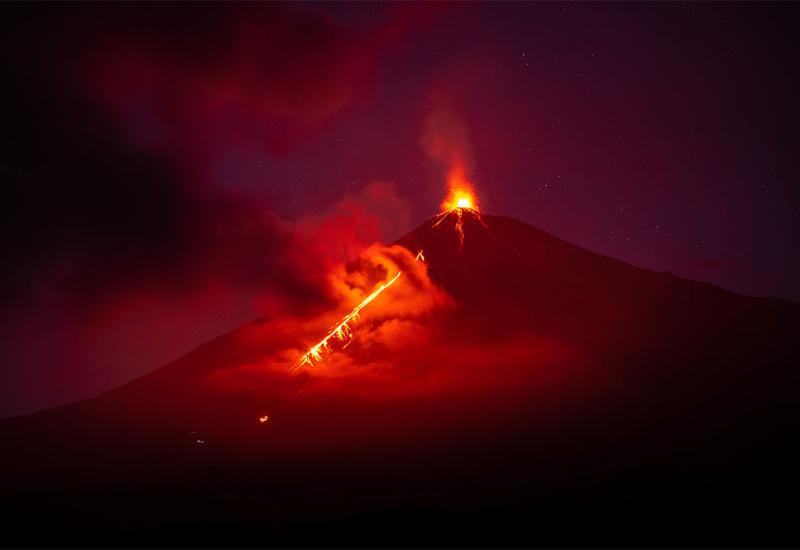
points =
(343, 332)
(460, 192)
(460, 196)
(263, 419)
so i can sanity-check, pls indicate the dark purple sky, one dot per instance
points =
(659, 134)
(169, 166)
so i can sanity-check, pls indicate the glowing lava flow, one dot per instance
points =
(342, 332)
(459, 199)
(459, 212)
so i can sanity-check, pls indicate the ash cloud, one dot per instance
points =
(237, 71)
(446, 136)
(110, 217)
(402, 317)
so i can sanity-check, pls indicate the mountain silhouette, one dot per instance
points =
(561, 398)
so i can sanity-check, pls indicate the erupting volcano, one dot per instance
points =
(461, 196)
(287, 270)
(506, 377)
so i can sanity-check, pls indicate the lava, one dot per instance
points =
(342, 332)
(461, 197)
(460, 193)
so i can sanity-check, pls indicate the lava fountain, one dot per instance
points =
(460, 196)
(460, 192)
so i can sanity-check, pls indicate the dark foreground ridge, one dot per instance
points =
(587, 402)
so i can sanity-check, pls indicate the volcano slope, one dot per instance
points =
(558, 398)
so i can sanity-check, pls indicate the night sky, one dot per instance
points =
(174, 170)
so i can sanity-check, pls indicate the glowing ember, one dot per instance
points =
(263, 419)
(342, 332)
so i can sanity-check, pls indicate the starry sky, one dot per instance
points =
(173, 171)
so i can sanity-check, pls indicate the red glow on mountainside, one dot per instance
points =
(343, 332)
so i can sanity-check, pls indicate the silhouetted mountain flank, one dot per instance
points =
(563, 398)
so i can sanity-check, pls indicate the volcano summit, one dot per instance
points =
(514, 389)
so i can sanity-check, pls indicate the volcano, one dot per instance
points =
(558, 398)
